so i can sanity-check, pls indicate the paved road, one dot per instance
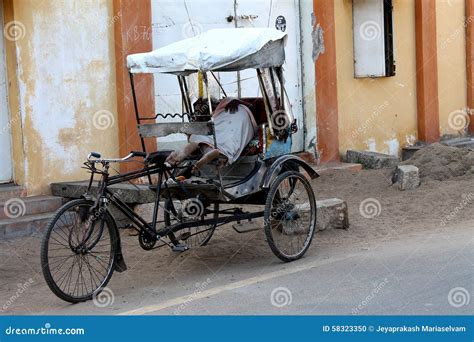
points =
(427, 272)
(399, 277)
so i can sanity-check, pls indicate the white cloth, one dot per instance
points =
(227, 49)
(233, 132)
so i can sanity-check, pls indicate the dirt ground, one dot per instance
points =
(440, 162)
(378, 211)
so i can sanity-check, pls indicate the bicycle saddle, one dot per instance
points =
(157, 158)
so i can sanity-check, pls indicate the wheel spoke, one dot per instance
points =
(195, 236)
(72, 271)
(290, 228)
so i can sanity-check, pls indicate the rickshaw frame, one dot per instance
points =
(165, 172)
(258, 187)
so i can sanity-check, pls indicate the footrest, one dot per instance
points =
(246, 227)
(185, 191)
(180, 248)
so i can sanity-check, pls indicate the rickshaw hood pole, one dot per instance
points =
(135, 106)
(137, 116)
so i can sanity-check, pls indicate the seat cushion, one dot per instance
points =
(257, 108)
(157, 158)
(255, 146)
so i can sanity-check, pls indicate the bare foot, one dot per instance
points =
(206, 159)
(175, 157)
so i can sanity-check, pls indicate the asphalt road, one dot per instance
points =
(399, 277)
(428, 272)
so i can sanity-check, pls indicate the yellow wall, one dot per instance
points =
(14, 99)
(61, 73)
(452, 82)
(65, 74)
(377, 114)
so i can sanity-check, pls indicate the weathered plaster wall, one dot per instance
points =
(377, 114)
(452, 83)
(13, 99)
(66, 80)
(309, 95)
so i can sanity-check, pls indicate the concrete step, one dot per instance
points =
(15, 207)
(24, 226)
(459, 142)
(10, 190)
(337, 166)
(129, 193)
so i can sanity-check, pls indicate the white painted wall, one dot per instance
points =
(173, 21)
(5, 131)
(308, 75)
(268, 11)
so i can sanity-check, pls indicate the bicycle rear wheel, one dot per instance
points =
(78, 251)
(290, 216)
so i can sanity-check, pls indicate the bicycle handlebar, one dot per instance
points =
(98, 158)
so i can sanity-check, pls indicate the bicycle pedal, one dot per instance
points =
(180, 248)
(246, 227)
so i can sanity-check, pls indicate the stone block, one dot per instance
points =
(332, 213)
(372, 160)
(406, 177)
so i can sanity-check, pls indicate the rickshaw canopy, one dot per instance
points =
(215, 50)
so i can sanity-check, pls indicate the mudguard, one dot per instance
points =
(119, 263)
(289, 162)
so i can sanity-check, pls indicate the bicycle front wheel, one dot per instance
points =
(78, 251)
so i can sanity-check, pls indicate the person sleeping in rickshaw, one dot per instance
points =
(234, 126)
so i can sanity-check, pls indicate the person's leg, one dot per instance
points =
(209, 156)
(177, 157)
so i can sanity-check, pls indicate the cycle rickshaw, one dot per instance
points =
(81, 247)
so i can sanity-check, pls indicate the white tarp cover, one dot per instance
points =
(215, 50)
